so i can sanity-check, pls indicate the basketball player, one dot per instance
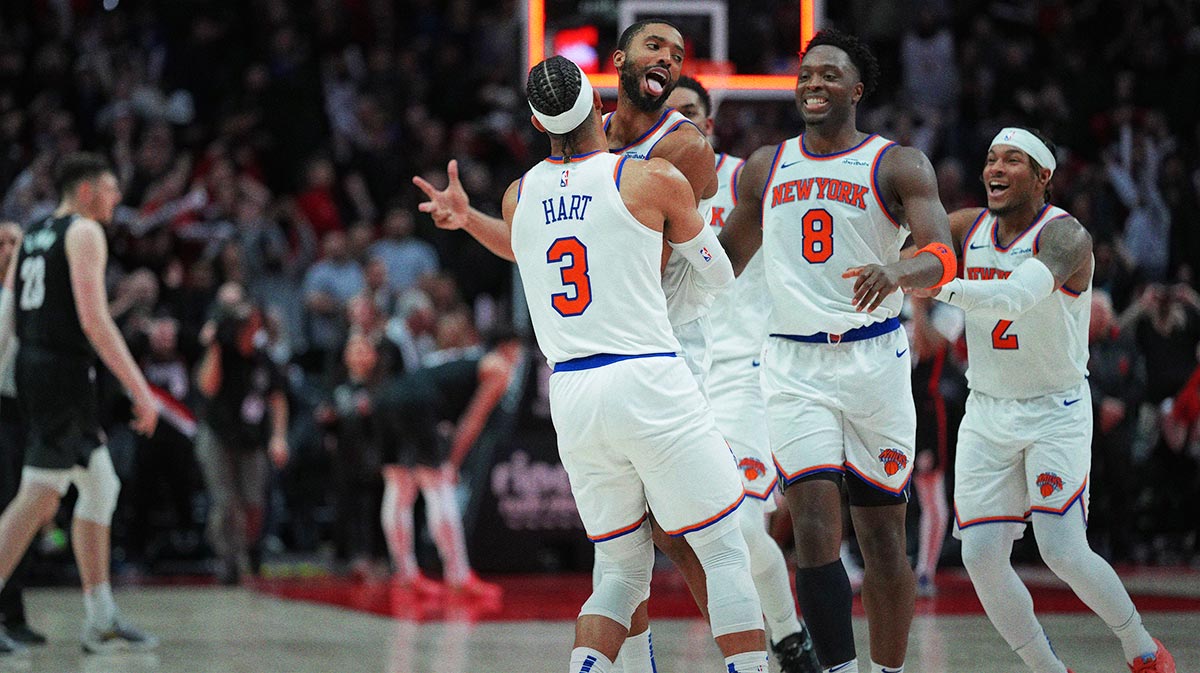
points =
(54, 299)
(649, 59)
(634, 429)
(831, 209)
(1024, 447)
(739, 327)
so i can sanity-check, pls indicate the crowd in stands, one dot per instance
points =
(270, 144)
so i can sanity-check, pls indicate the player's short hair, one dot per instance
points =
(686, 82)
(78, 167)
(1037, 133)
(860, 55)
(636, 27)
(553, 85)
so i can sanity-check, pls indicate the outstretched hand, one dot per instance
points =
(449, 207)
(872, 284)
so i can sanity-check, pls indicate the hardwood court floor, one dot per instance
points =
(258, 630)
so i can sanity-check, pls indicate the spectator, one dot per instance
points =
(328, 285)
(406, 257)
(1117, 375)
(244, 422)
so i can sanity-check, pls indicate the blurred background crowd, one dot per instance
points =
(267, 146)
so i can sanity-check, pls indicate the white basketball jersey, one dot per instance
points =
(1043, 351)
(589, 268)
(823, 214)
(739, 315)
(684, 303)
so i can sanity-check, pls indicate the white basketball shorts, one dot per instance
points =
(635, 434)
(838, 407)
(1016, 457)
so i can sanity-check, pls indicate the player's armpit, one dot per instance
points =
(742, 234)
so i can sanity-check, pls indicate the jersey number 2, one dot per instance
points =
(33, 283)
(574, 275)
(1001, 340)
(818, 235)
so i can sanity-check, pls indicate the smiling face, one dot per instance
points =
(651, 66)
(828, 88)
(1012, 181)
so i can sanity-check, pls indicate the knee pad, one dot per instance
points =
(733, 604)
(98, 489)
(621, 576)
(762, 547)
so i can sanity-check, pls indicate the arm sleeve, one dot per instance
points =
(708, 258)
(1029, 283)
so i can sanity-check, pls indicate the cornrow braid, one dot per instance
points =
(862, 58)
(1037, 133)
(553, 85)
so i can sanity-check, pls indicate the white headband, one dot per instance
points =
(569, 120)
(1027, 143)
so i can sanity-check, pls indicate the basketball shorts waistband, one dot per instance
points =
(857, 334)
(602, 359)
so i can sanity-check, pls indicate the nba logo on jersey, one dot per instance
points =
(706, 254)
(1048, 483)
(562, 182)
(893, 460)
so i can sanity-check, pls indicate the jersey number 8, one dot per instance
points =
(574, 275)
(818, 235)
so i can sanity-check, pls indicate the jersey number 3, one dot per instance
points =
(574, 275)
(1001, 340)
(818, 235)
(33, 283)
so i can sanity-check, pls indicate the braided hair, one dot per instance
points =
(862, 58)
(1037, 168)
(552, 88)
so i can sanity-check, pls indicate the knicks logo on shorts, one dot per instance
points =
(893, 460)
(1048, 483)
(752, 468)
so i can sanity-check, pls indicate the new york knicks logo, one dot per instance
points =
(752, 468)
(893, 460)
(1048, 483)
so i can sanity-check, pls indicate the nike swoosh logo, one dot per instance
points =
(788, 165)
(1067, 403)
(900, 354)
(951, 297)
(755, 363)
(976, 247)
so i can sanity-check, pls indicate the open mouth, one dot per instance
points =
(656, 81)
(996, 188)
(815, 103)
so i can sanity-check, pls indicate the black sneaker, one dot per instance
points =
(22, 633)
(796, 654)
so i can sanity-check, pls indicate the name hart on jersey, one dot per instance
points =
(831, 189)
(566, 207)
(986, 273)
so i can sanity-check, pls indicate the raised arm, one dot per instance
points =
(87, 255)
(451, 209)
(1064, 256)
(742, 234)
(909, 186)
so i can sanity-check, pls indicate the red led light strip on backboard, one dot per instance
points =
(535, 50)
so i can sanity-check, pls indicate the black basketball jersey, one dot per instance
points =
(46, 315)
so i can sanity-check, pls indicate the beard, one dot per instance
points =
(631, 84)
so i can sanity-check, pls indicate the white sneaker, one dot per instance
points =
(119, 636)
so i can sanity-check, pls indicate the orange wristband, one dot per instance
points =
(948, 259)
